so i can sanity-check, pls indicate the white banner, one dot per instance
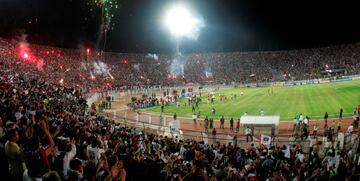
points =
(260, 120)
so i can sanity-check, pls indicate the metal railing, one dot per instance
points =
(151, 125)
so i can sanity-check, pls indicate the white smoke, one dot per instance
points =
(23, 44)
(100, 68)
(208, 72)
(25, 52)
(177, 67)
(137, 67)
(83, 64)
(153, 56)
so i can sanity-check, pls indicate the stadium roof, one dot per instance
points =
(230, 25)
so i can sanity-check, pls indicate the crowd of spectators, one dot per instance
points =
(145, 102)
(76, 67)
(47, 134)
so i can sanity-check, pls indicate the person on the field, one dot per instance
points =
(306, 120)
(252, 130)
(315, 130)
(211, 122)
(238, 125)
(355, 119)
(206, 123)
(222, 121)
(327, 132)
(272, 132)
(333, 126)
(231, 124)
(214, 136)
(161, 120)
(356, 123)
(235, 140)
(305, 132)
(194, 118)
(341, 113)
(297, 119)
(138, 116)
(326, 116)
(248, 133)
(193, 109)
(213, 111)
(339, 125)
(325, 124)
(175, 116)
(330, 135)
(301, 118)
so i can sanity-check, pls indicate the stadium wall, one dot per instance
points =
(322, 81)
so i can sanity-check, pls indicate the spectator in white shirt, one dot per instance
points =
(301, 118)
(248, 134)
(315, 130)
(68, 157)
(94, 152)
(306, 120)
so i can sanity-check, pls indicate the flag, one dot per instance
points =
(265, 140)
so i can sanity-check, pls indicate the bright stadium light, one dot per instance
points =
(180, 21)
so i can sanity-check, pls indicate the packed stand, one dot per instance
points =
(93, 70)
(46, 135)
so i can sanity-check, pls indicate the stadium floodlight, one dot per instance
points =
(180, 21)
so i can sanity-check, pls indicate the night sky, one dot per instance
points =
(231, 25)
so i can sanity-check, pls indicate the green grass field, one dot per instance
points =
(311, 100)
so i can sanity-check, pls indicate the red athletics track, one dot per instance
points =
(191, 130)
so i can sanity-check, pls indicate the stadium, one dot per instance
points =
(81, 101)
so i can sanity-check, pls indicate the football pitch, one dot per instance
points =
(310, 100)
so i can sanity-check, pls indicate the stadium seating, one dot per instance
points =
(44, 132)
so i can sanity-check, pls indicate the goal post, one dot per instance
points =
(264, 122)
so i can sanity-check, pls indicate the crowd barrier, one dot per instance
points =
(152, 125)
(322, 81)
